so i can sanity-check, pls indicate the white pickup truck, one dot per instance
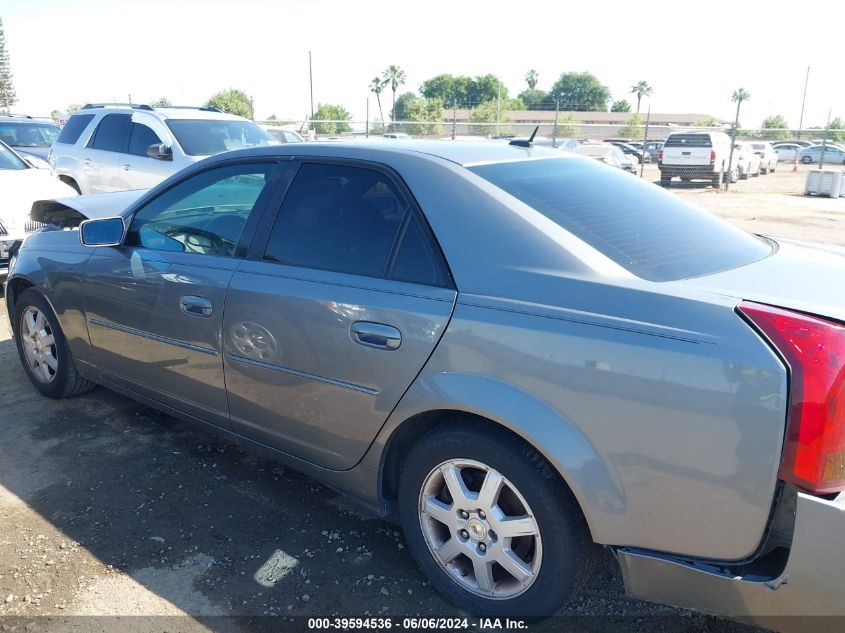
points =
(695, 156)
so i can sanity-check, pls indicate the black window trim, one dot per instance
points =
(259, 245)
(91, 118)
(124, 148)
(266, 200)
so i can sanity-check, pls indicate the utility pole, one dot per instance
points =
(367, 123)
(733, 142)
(645, 138)
(454, 116)
(498, 105)
(554, 129)
(803, 102)
(311, 84)
(824, 139)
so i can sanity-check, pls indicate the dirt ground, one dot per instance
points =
(110, 509)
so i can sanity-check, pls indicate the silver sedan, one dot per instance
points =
(518, 351)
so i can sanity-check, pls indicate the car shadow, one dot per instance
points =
(124, 496)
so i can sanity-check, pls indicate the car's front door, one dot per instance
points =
(333, 314)
(154, 305)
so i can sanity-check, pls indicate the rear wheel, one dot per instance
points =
(665, 181)
(718, 179)
(807, 160)
(491, 524)
(43, 349)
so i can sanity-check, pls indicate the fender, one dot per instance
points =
(556, 438)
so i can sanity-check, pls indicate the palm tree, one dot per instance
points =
(641, 89)
(376, 87)
(394, 76)
(738, 97)
(531, 78)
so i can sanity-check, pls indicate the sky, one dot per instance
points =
(694, 54)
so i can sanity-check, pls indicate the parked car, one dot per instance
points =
(608, 154)
(630, 150)
(768, 156)
(115, 147)
(568, 144)
(284, 133)
(747, 161)
(20, 186)
(28, 136)
(787, 151)
(652, 147)
(832, 154)
(625, 372)
(800, 142)
(395, 135)
(695, 156)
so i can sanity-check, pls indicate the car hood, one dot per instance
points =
(69, 212)
(21, 188)
(798, 275)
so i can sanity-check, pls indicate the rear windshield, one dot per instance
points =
(204, 137)
(688, 140)
(652, 233)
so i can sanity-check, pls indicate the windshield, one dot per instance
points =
(24, 134)
(10, 160)
(652, 233)
(204, 137)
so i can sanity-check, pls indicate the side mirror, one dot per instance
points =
(160, 151)
(102, 232)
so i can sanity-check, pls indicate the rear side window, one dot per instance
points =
(418, 259)
(650, 232)
(74, 127)
(140, 139)
(339, 218)
(111, 133)
(688, 140)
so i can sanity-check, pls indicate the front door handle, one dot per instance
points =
(376, 335)
(195, 306)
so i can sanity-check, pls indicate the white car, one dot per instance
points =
(768, 157)
(21, 184)
(116, 147)
(284, 133)
(787, 151)
(747, 162)
(695, 156)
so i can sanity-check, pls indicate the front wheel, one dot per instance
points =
(807, 160)
(43, 348)
(718, 180)
(491, 524)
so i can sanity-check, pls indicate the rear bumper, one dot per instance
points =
(808, 596)
(688, 171)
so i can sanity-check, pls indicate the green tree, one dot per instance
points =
(620, 106)
(737, 97)
(580, 91)
(531, 78)
(161, 102)
(418, 114)
(837, 130)
(232, 101)
(775, 127)
(466, 91)
(72, 107)
(394, 77)
(332, 119)
(536, 99)
(641, 89)
(487, 112)
(377, 87)
(55, 114)
(632, 127)
(8, 98)
(707, 121)
(567, 125)
(486, 88)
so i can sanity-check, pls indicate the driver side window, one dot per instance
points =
(205, 214)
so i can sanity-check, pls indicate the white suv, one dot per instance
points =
(115, 147)
(695, 156)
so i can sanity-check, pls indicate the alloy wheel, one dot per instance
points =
(39, 344)
(479, 529)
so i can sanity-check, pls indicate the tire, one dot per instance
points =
(744, 176)
(763, 172)
(718, 180)
(45, 355)
(557, 556)
(665, 181)
(807, 160)
(734, 176)
(756, 174)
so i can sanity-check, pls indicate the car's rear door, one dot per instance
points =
(136, 170)
(154, 305)
(333, 314)
(101, 155)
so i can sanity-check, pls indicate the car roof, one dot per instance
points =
(463, 153)
(167, 113)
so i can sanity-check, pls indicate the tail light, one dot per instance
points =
(660, 156)
(814, 348)
(712, 156)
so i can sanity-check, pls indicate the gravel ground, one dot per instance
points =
(108, 508)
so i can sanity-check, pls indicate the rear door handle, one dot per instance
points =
(127, 167)
(195, 306)
(376, 335)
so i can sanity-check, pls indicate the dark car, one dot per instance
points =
(27, 135)
(627, 148)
